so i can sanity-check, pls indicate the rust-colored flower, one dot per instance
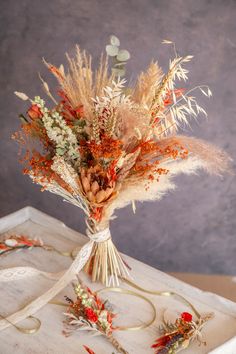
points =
(108, 148)
(79, 110)
(96, 213)
(34, 112)
(186, 317)
(90, 314)
(169, 96)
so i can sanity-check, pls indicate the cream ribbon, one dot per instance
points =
(17, 273)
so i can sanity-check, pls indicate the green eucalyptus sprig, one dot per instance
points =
(119, 56)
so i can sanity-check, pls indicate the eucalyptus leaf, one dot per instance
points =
(114, 41)
(118, 72)
(112, 50)
(123, 55)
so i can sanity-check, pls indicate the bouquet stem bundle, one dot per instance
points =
(105, 264)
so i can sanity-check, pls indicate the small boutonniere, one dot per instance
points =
(89, 312)
(178, 336)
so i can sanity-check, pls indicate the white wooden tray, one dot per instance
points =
(219, 332)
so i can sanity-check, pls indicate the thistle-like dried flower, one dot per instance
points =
(96, 185)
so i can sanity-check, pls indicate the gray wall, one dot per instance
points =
(192, 229)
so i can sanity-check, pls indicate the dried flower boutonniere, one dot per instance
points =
(178, 336)
(89, 312)
(20, 242)
(14, 243)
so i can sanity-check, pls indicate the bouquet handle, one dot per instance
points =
(105, 263)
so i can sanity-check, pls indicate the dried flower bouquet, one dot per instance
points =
(103, 145)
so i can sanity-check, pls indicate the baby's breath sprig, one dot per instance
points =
(58, 131)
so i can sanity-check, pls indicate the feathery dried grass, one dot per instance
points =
(133, 190)
(131, 122)
(215, 160)
(102, 77)
(80, 84)
(201, 156)
(147, 84)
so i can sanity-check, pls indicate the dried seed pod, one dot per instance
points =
(89, 177)
(86, 184)
(108, 192)
(100, 196)
(82, 172)
(95, 187)
(91, 196)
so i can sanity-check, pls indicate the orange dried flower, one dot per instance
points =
(152, 153)
(96, 213)
(108, 148)
(55, 71)
(169, 98)
(34, 112)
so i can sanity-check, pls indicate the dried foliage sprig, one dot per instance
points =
(179, 335)
(119, 56)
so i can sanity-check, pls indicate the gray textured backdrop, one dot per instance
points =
(192, 229)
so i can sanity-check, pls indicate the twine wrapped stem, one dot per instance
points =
(105, 264)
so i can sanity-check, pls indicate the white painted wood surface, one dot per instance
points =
(219, 332)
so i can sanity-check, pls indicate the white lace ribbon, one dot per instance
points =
(100, 236)
(17, 273)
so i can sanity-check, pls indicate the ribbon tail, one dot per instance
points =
(19, 273)
(30, 309)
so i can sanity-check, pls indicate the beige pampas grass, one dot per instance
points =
(153, 191)
(147, 84)
(215, 160)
